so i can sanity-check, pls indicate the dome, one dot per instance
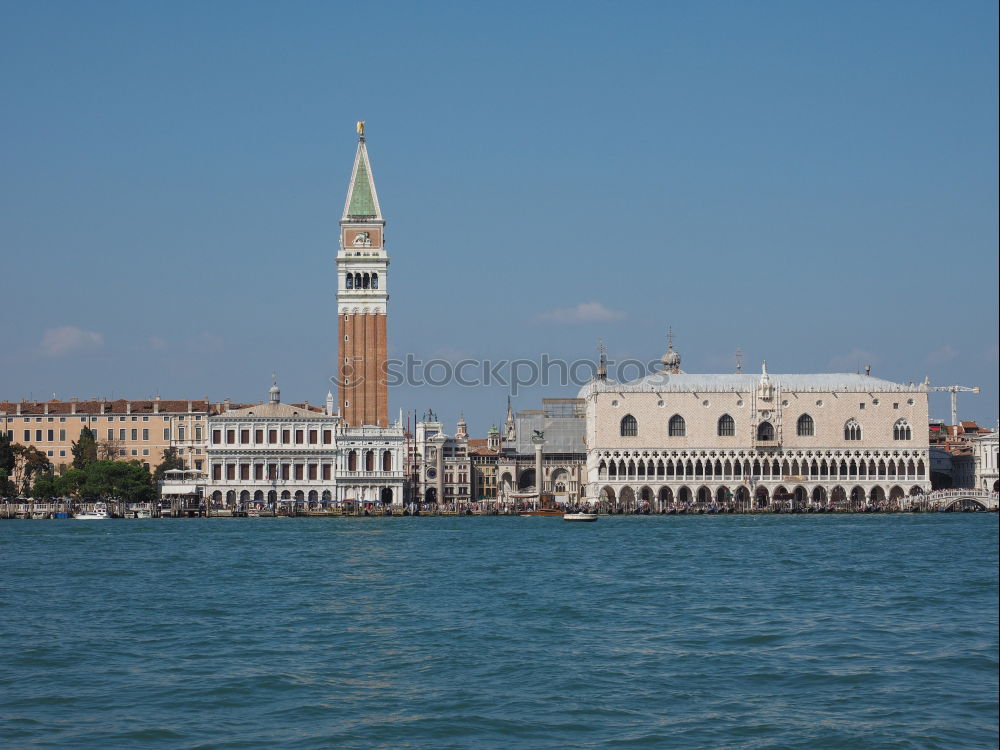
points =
(671, 360)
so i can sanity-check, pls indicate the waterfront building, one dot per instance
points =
(985, 451)
(457, 468)
(673, 437)
(953, 456)
(439, 465)
(562, 424)
(275, 452)
(126, 429)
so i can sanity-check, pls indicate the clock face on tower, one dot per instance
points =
(362, 238)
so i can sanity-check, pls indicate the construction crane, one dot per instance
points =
(954, 390)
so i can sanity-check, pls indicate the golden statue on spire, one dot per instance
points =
(361, 129)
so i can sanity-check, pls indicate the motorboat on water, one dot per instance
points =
(543, 513)
(585, 517)
(99, 513)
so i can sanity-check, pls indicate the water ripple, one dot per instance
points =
(682, 632)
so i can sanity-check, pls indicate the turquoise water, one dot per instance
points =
(863, 631)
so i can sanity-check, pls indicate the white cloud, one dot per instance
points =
(585, 312)
(58, 342)
(942, 355)
(854, 361)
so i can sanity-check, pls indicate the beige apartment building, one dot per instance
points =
(125, 429)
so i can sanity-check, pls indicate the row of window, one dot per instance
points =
(94, 419)
(300, 437)
(368, 457)
(297, 471)
(726, 427)
(49, 436)
(361, 281)
(271, 472)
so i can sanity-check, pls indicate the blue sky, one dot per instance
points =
(815, 183)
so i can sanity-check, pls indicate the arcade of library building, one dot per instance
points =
(666, 441)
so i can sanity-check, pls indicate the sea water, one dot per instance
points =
(829, 631)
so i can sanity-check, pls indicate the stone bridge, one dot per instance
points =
(958, 500)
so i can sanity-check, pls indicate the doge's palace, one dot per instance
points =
(675, 440)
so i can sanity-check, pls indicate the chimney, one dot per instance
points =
(189, 407)
(18, 408)
(156, 405)
(46, 411)
(72, 405)
(128, 407)
(868, 370)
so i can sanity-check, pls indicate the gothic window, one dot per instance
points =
(629, 427)
(366, 281)
(676, 426)
(901, 430)
(805, 427)
(357, 281)
(374, 281)
(350, 281)
(852, 430)
(727, 426)
(765, 431)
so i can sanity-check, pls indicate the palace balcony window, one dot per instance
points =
(852, 430)
(629, 426)
(765, 431)
(805, 427)
(726, 426)
(676, 426)
(901, 430)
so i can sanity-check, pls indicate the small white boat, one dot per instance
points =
(143, 514)
(253, 513)
(99, 513)
(580, 517)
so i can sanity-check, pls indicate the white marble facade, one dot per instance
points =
(298, 453)
(680, 438)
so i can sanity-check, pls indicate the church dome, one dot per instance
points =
(671, 360)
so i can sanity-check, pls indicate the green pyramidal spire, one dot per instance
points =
(362, 200)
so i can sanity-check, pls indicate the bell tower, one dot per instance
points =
(362, 298)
